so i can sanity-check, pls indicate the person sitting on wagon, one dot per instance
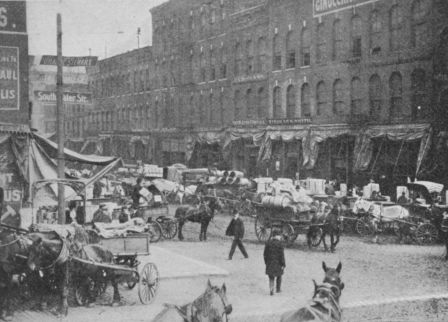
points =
(102, 215)
(403, 200)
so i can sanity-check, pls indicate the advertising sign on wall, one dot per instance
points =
(323, 7)
(70, 61)
(9, 78)
(13, 16)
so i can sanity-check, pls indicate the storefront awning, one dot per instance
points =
(404, 132)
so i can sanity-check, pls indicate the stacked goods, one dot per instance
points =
(280, 201)
(315, 186)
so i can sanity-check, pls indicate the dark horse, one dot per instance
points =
(211, 306)
(50, 254)
(324, 306)
(201, 214)
(13, 253)
(328, 223)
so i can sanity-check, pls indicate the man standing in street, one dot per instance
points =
(236, 229)
(274, 258)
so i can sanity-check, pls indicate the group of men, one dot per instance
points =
(273, 255)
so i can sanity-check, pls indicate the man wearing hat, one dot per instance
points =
(236, 229)
(102, 215)
(274, 258)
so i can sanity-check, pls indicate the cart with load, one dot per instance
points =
(126, 265)
(277, 212)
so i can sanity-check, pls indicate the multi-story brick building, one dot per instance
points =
(262, 84)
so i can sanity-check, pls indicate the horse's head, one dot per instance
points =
(42, 252)
(325, 293)
(37, 252)
(332, 275)
(212, 304)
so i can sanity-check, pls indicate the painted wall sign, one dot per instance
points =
(9, 78)
(323, 7)
(13, 16)
(73, 98)
(289, 121)
(70, 61)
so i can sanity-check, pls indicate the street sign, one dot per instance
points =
(9, 78)
(68, 97)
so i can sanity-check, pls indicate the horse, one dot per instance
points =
(329, 220)
(444, 231)
(324, 305)
(211, 306)
(202, 214)
(51, 255)
(13, 253)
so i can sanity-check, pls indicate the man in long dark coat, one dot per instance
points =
(274, 258)
(236, 229)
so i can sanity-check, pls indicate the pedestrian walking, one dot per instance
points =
(274, 258)
(236, 229)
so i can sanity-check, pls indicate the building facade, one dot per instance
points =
(263, 85)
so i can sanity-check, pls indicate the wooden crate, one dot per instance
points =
(127, 246)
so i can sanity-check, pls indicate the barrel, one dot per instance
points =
(276, 201)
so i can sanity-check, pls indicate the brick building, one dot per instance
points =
(263, 85)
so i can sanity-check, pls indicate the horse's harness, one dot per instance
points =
(197, 307)
(64, 256)
(333, 308)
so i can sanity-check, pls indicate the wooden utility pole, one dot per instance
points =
(60, 122)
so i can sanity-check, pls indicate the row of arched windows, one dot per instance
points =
(335, 49)
(334, 101)
(250, 104)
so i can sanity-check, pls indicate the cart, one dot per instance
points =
(125, 250)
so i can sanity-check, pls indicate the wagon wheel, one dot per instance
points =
(315, 236)
(363, 227)
(426, 234)
(148, 284)
(263, 228)
(169, 229)
(133, 280)
(288, 234)
(155, 231)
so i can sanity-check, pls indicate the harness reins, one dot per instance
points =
(63, 256)
(334, 310)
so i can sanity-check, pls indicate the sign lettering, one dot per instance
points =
(9, 78)
(13, 16)
(68, 97)
(288, 121)
(70, 61)
(323, 7)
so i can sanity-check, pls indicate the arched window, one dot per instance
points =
(203, 20)
(290, 50)
(202, 118)
(356, 29)
(337, 39)
(306, 47)
(202, 66)
(290, 102)
(277, 102)
(338, 98)
(220, 114)
(156, 114)
(212, 64)
(236, 104)
(277, 53)
(396, 94)
(321, 52)
(223, 64)
(419, 27)
(237, 66)
(305, 100)
(261, 52)
(418, 100)
(249, 57)
(396, 27)
(249, 104)
(375, 29)
(210, 108)
(321, 98)
(261, 108)
(356, 96)
(192, 111)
